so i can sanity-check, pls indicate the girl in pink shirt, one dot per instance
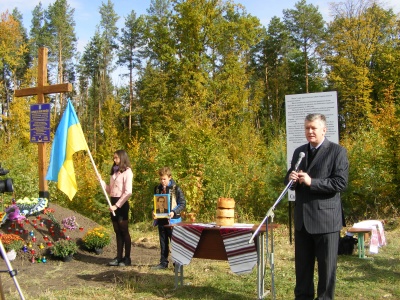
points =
(120, 189)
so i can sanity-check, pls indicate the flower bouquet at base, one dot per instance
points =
(64, 248)
(11, 242)
(70, 223)
(96, 238)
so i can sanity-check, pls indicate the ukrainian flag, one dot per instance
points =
(69, 139)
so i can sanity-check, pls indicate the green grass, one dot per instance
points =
(376, 277)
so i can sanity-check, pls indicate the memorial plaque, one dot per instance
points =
(40, 123)
(297, 108)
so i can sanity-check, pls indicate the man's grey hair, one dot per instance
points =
(313, 117)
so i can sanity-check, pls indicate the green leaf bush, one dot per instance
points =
(64, 248)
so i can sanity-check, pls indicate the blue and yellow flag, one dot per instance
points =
(69, 139)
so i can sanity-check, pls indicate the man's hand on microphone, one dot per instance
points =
(304, 178)
(300, 177)
(294, 176)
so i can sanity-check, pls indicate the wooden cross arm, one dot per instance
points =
(48, 89)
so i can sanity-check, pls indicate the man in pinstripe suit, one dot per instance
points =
(320, 178)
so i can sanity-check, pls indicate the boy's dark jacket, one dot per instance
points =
(174, 191)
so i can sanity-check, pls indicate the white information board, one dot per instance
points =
(297, 108)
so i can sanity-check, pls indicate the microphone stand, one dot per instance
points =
(12, 273)
(270, 213)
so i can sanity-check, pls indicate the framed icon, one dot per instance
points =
(161, 205)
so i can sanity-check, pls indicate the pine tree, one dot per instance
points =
(272, 73)
(132, 42)
(38, 32)
(306, 26)
(109, 37)
(60, 27)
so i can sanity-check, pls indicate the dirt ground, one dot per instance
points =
(85, 269)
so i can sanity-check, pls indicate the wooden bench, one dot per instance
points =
(361, 241)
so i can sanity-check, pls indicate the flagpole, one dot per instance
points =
(99, 177)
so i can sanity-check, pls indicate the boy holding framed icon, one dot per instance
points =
(169, 202)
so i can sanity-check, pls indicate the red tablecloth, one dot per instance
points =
(242, 256)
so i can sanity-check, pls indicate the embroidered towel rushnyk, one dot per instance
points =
(242, 256)
(184, 243)
(377, 234)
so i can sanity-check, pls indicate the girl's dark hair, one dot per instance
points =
(124, 161)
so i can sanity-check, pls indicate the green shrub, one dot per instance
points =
(64, 248)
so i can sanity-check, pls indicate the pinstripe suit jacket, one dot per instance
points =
(318, 207)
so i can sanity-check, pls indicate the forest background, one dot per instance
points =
(205, 95)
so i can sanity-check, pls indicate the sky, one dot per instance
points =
(87, 15)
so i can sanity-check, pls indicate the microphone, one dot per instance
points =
(301, 155)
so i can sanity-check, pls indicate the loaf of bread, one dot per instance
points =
(226, 203)
(225, 221)
(225, 212)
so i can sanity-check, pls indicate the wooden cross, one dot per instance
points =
(42, 89)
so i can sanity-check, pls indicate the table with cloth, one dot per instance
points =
(377, 240)
(231, 243)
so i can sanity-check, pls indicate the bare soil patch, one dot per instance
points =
(86, 269)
